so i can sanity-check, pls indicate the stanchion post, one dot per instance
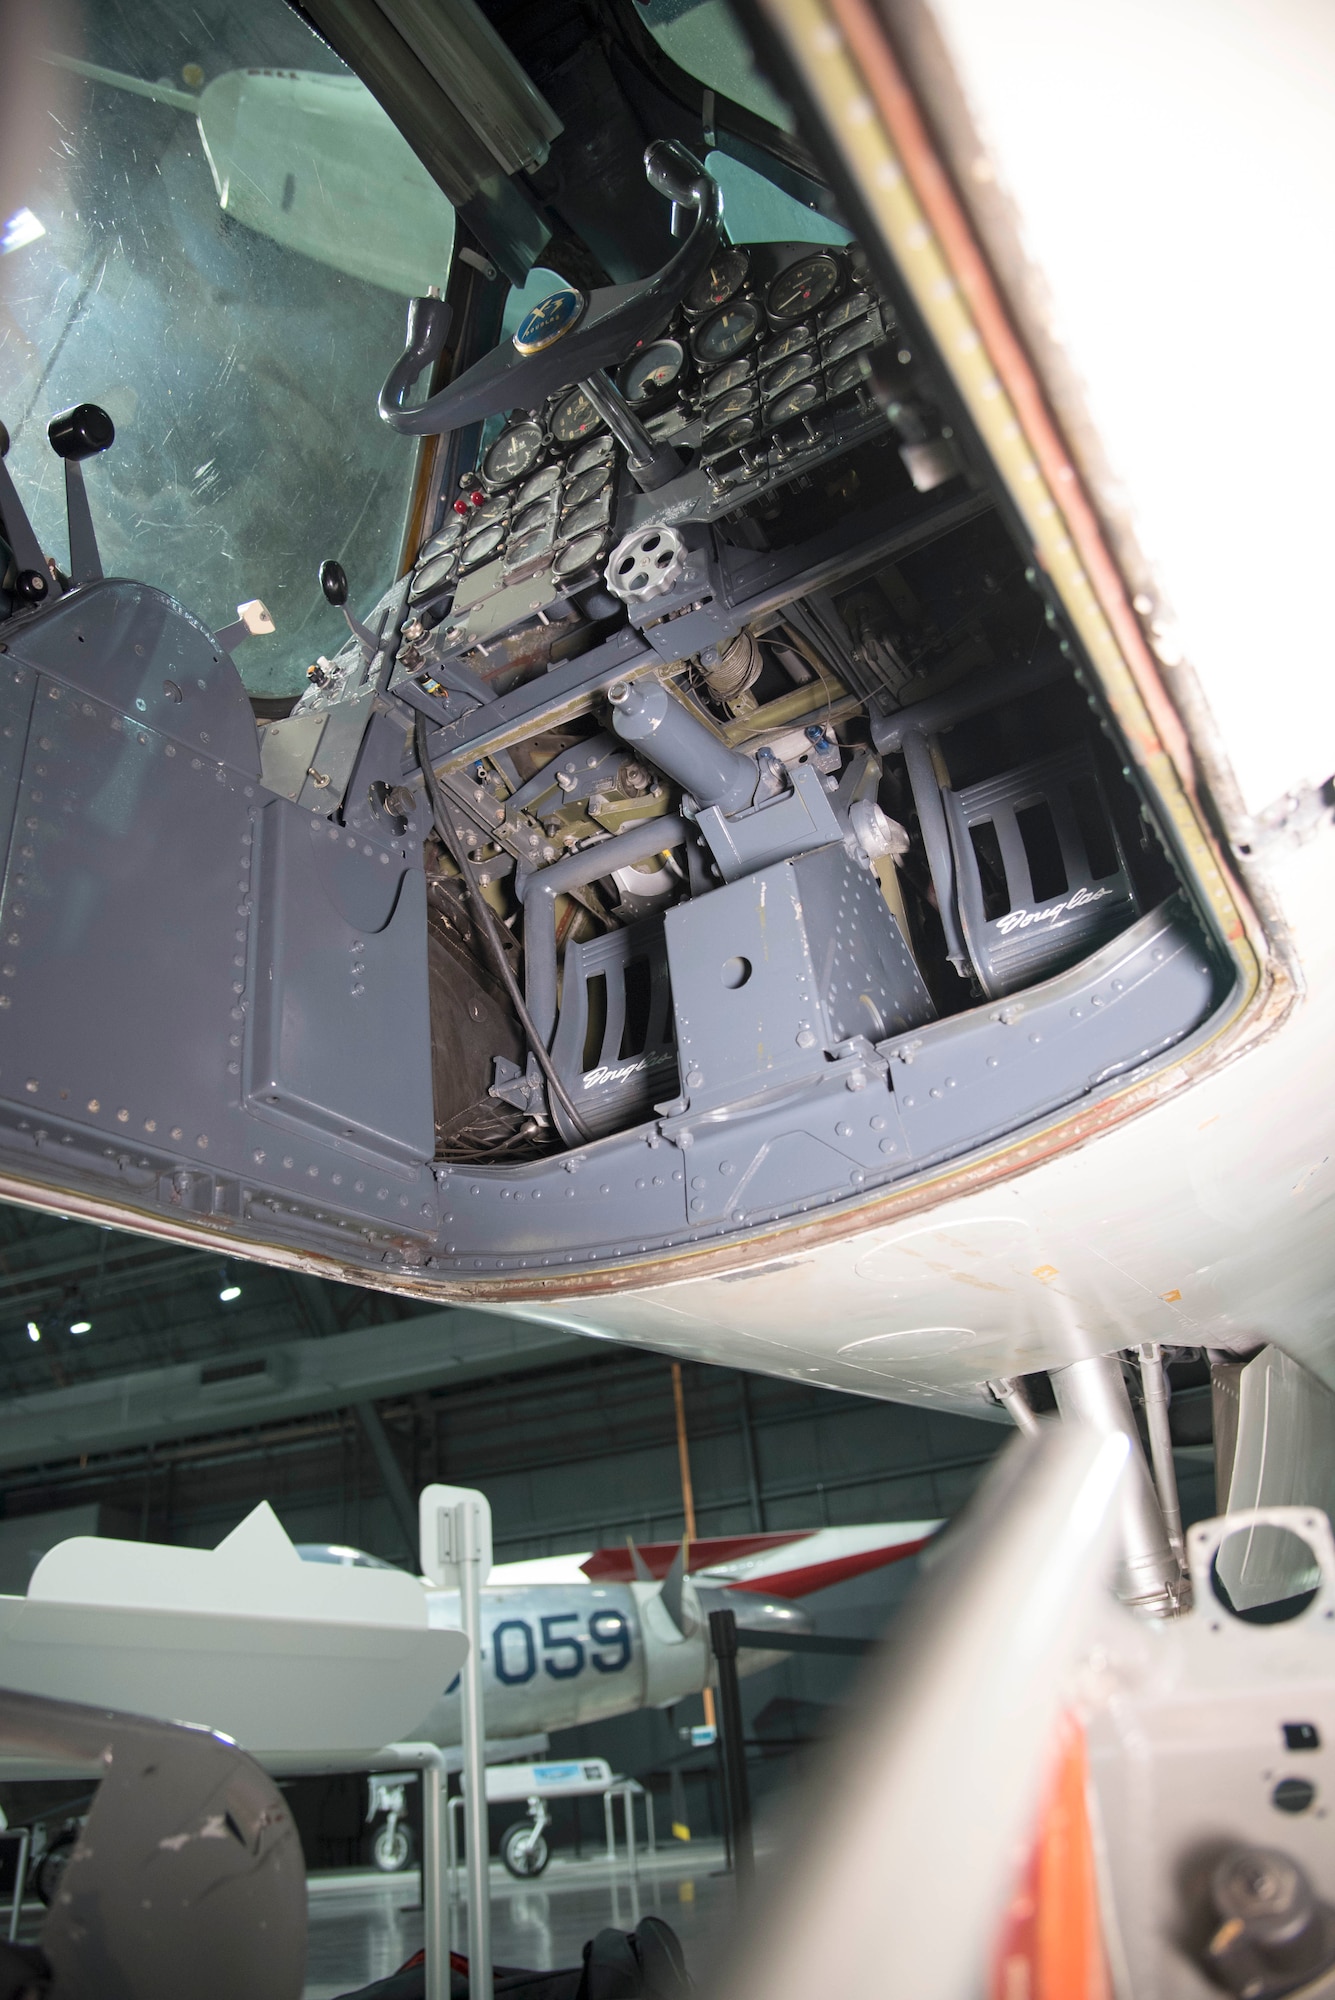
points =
(455, 1528)
(736, 1793)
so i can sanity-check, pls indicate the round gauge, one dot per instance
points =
(536, 516)
(432, 576)
(655, 368)
(726, 332)
(484, 544)
(723, 379)
(494, 509)
(446, 539)
(849, 339)
(579, 554)
(788, 343)
(514, 453)
(592, 514)
(803, 286)
(795, 369)
(847, 309)
(573, 418)
(528, 548)
(537, 488)
(850, 374)
(741, 403)
(733, 434)
(596, 453)
(584, 486)
(804, 397)
(715, 286)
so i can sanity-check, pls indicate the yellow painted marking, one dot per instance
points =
(1046, 1272)
(1170, 1298)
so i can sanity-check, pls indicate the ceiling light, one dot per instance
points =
(34, 1331)
(81, 1326)
(230, 1291)
(22, 228)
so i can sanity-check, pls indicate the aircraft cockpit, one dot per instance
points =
(702, 817)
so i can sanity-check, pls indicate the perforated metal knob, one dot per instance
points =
(646, 564)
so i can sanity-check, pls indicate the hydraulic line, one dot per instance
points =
(486, 918)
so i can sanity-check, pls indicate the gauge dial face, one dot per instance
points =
(596, 453)
(804, 397)
(433, 575)
(733, 434)
(584, 486)
(716, 285)
(579, 554)
(537, 488)
(725, 333)
(527, 549)
(796, 338)
(795, 369)
(530, 518)
(861, 333)
(591, 515)
(847, 309)
(573, 418)
(485, 543)
(494, 509)
(803, 287)
(723, 379)
(446, 539)
(514, 453)
(741, 403)
(849, 374)
(655, 368)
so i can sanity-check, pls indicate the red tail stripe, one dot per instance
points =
(615, 1566)
(819, 1576)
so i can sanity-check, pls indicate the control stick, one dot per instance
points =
(334, 584)
(82, 432)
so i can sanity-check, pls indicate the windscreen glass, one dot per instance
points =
(702, 38)
(217, 246)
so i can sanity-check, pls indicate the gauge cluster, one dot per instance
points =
(762, 366)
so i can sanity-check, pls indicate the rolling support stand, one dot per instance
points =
(732, 1744)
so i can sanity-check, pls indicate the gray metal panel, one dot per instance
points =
(867, 977)
(136, 648)
(339, 1038)
(772, 972)
(745, 990)
(781, 827)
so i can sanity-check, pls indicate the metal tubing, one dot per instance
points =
(474, 1749)
(936, 839)
(645, 714)
(732, 1743)
(1149, 1577)
(651, 465)
(1154, 1385)
(85, 562)
(437, 1861)
(539, 892)
(1016, 1404)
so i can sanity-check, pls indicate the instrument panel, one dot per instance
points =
(760, 372)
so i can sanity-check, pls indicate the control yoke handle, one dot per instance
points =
(616, 318)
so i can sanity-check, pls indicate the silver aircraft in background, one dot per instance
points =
(579, 1638)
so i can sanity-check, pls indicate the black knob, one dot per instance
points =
(31, 587)
(334, 582)
(81, 432)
